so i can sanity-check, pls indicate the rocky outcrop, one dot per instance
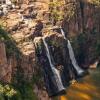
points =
(85, 20)
(10, 66)
(5, 67)
(21, 31)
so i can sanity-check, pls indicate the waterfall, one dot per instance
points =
(72, 56)
(54, 70)
(63, 33)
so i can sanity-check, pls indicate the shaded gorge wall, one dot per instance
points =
(82, 26)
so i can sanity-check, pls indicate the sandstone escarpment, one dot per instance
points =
(18, 59)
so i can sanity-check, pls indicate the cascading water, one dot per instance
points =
(62, 32)
(54, 70)
(72, 56)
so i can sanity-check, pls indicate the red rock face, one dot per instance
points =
(86, 17)
(8, 67)
(5, 69)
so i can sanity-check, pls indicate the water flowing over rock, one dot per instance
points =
(84, 24)
(53, 55)
(79, 70)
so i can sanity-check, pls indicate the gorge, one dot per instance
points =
(18, 61)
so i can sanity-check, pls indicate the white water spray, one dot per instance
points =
(55, 71)
(63, 33)
(72, 56)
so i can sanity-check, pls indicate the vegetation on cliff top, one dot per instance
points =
(9, 43)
